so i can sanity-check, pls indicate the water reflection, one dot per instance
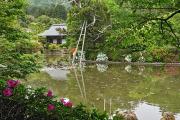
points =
(144, 111)
(102, 67)
(148, 91)
(56, 73)
(128, 68)
(81, 88)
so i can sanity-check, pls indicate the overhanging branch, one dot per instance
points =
(151, 8)
(162, 21)
(173, 14)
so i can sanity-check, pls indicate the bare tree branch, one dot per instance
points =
(151, 8)
(94, 21)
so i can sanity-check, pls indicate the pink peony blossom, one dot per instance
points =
(66, 102)
(62, 100)
(12, 83)
(7, 92)
(49, 94)
(51, 107)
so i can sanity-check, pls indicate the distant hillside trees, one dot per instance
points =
(53, 11)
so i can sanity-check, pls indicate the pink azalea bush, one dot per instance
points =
(7, 92)
(51, 107)
(12, 83)
(39, 105)
(49, 94)
(69, 104)
(66, 102)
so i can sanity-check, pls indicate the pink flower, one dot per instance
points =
(12, 83)
(68, 104)
(49, 94)
(51, 107)
(7, 92)
(62, 100)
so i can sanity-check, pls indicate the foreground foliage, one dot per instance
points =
(20, 102)
(19, 52)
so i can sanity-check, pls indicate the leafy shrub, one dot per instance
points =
(171, 57)
(159, 54)
(162, 54)
(20, 102)
(91, 54)
(101, 57)
(118, 55)
(53, 47)
(135, 56)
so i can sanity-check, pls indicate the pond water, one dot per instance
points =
(147, 90)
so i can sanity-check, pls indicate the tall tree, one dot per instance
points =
(18, 53)
(160, 11)
(96, 14)
(143, 25)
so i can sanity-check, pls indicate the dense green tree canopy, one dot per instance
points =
(43, 3)
(96, 14)
(50, 8)
(18, 52)
(142, 25)
(161, 12)
(54, 11)
(147, 27)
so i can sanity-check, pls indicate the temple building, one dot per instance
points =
(55, 34)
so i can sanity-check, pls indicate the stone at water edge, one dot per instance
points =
(128, 115)
(168, 116)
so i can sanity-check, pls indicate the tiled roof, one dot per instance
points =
(53, 30)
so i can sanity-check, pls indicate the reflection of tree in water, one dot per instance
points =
(54, 61)
(128, 68)
(125, 89)
(100, 86)
(43, 79)
(102, 67)
(171, 70)
(141, 70)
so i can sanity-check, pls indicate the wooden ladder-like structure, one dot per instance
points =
(82, 37)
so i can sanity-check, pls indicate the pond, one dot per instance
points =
(147, 90)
